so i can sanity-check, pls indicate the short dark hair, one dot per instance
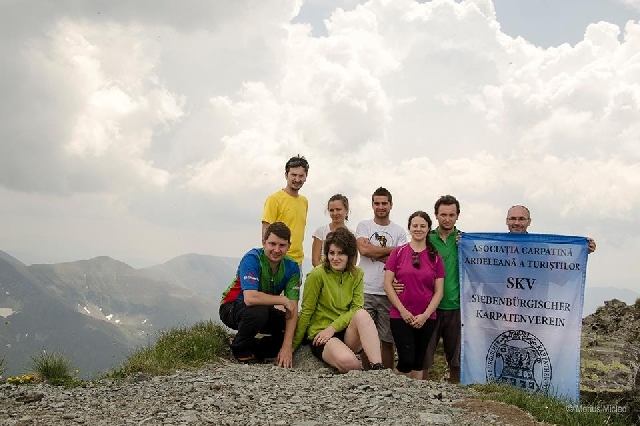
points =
(345, 241)
(382, 192)
(297, 161)
(279, 229)
(447, 200)
(345, 203)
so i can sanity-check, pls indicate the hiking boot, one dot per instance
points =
(377, 366)
(248, 359)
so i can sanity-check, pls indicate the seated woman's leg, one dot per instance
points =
(362, 334)
(338, 355)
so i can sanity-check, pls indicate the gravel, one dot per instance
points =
(238, 394)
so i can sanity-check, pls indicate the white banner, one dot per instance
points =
(521, 298)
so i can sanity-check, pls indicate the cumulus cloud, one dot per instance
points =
(631, 3)
(95, 86)
(89, 105)
(183, 122)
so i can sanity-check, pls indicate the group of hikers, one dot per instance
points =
(401, 296)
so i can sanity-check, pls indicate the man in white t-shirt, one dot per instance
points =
(376, 238)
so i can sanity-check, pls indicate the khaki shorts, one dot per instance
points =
(378, 306)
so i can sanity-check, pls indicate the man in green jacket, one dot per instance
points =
(448, 322)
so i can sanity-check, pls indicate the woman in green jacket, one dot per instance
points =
(332, 317)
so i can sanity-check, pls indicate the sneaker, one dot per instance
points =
(377, 366)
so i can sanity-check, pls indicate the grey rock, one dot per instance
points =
(304, 360)
(428, 418)
(189, 416)
(30, 398)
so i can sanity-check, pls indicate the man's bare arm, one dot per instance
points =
(265, 225)
(285, 356)
(256, 298)
(372, 251)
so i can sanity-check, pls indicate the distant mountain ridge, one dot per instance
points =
(594, 297)
(205, 275)
(97, 310)
(36, 320)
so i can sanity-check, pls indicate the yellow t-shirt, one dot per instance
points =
(282, 207)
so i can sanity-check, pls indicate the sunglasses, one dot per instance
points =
(415, 260)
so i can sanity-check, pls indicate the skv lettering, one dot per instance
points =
(520, 282)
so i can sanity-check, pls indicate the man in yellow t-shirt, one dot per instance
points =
(288, 206)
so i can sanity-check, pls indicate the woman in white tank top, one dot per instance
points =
(338, 208)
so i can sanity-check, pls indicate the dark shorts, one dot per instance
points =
(317, 350)
(449, 327)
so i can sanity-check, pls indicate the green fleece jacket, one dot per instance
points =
(329, 298)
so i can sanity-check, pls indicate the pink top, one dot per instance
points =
(419, 284)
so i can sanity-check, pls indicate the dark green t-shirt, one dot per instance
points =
(449, 252)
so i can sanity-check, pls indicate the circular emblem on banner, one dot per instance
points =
(519, 358)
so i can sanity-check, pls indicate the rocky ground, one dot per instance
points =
(236, 394)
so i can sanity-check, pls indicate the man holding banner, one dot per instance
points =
(521, 306)
(519, 219)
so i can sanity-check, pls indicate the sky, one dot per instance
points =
(145, 130)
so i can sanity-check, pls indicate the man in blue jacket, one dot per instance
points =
(266, 277)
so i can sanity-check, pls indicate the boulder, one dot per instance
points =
(610, 356)
(304, 360)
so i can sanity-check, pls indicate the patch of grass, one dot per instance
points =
(545, 408)
(593, 376)
(601, 366)
(182, 347)
(3, 365)
(69, 382)
(51, 367)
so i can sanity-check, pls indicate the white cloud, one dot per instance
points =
(179, 125)
(631, 3)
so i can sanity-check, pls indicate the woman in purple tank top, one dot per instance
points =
(419, 267)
